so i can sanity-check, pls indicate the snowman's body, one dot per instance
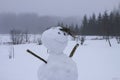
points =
(59, 66)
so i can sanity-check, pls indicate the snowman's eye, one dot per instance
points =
(58, 32)
(64, 34)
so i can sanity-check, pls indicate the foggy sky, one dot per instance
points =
(58, 7)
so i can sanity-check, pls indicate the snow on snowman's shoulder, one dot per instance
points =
(63, 58)
(58, 68)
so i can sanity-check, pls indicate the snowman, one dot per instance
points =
(59, 66)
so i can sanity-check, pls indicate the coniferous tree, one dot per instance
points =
(99, 24)
(106, 27)
(92, 25)
(84, 25)
(76, 29)
(117, 23)
(105, 22)
(111, 24)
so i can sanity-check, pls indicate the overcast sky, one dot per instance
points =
(58, 7)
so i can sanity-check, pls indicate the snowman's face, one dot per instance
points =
(54, 39)
(59, 36)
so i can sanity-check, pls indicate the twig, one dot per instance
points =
(37, 56)
(73, 51)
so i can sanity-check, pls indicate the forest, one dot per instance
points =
(106, 24)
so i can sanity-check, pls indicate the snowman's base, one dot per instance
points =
(58, 68)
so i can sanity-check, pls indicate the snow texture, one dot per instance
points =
(54, 40)
(59, 66)
(95, 60)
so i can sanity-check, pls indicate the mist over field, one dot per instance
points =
(32, 22)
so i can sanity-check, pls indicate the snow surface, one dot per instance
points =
(95, 60)
(54, 40)
(59, 66)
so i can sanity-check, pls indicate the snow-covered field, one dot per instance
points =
(95, 60)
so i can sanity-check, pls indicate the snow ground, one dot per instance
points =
(95, 60)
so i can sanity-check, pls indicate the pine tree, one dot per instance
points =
(99, 24)
(105, 22)
(84, 25)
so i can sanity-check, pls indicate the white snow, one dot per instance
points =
(95, 61)
(54, 40)
(59, 66)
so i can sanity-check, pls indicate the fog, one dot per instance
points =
(31, 22)
(58, 7)
(37, 15)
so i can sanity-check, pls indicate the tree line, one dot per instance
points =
(106, 24)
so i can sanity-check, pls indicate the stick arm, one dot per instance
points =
(73, 51)
(40, 58)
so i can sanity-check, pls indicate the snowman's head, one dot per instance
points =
(55, 39)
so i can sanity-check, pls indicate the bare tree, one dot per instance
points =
(17, 36)
(26, 36)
